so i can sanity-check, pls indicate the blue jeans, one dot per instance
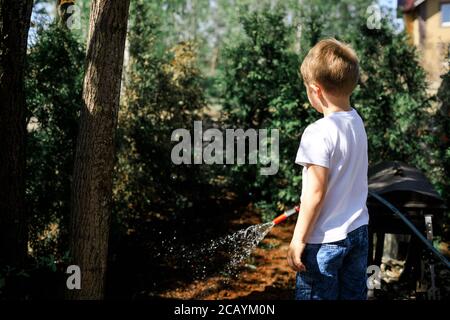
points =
(336, 270)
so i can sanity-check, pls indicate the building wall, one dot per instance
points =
(436, 40)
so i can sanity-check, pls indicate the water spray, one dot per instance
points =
(238, 246)
(285, 215)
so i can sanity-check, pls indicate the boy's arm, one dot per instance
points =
(313, 196)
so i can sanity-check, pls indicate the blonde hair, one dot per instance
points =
(332, 64)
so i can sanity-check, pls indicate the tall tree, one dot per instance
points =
(14, 25)
(94, 159)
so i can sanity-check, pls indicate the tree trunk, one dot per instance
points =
(14, 26)
(94, 159)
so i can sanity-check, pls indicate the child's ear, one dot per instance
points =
(316, 89)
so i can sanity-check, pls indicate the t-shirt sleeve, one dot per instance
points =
(314, 147)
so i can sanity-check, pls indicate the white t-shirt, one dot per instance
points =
(338, 141)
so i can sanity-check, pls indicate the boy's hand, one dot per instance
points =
(294, 256)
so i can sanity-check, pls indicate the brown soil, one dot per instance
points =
(265, 276)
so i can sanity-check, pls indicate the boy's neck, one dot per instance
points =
(336, 104)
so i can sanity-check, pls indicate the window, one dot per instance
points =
(445, 14)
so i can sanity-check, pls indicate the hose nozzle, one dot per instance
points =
(285, 215)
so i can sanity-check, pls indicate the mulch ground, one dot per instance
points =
(265, 276)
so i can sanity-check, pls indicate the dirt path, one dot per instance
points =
(265, 276)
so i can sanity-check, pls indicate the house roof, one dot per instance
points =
(409, 5)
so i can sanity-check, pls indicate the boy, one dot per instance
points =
(329, 246)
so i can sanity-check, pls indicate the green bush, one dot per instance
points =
(162, 93)
(393, 100)
(262, 89)
(443, 132)
(53, 85)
